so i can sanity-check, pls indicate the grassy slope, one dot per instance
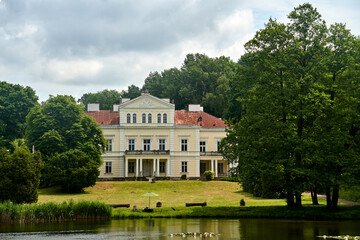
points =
(171, 194)
(222, 197)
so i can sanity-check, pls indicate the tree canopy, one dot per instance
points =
(59, 129)
(15, 103)
(20, 174)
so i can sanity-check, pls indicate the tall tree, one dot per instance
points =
(293, 112)
(58, 129)
(15, 103)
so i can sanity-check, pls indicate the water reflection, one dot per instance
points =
(162, 228)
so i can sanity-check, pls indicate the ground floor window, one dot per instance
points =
(184, 167)
(162, 167)
(131, 167)
(108, 167)
(220, 168)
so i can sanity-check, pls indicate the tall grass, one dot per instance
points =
(50, 212)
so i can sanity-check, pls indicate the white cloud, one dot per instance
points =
(65, 71)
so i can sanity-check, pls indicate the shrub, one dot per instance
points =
(183, 177)
(210, 175)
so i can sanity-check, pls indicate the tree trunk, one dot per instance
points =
(335, 197)
(328, 197)
(298, 200)
(314, 197)
(290, 200)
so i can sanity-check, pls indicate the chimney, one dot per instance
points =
(195, 108)
(116, 108)
(93, 107)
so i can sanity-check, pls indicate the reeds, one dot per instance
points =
(51, 212)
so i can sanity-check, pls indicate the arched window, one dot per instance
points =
(165, 118)
(143, 118)
(159, 118)
(149, 118)
(134, 117)
(128, 118)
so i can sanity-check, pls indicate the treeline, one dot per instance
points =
(299, 86)
(200, 80)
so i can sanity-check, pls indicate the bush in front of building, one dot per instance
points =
(209, 175)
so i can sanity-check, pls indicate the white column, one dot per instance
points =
(216, 166)
(141, 173)
(168, 167)
(212, 165)
(137, 168)
(126, 167)
(154, 165)
(158, 168)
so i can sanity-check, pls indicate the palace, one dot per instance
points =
(147, 137)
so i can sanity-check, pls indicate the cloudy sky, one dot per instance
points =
(79, 46)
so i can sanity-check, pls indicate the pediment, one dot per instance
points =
(146, 101)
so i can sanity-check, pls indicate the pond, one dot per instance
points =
(250, 229)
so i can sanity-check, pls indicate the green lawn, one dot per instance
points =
(171, 194)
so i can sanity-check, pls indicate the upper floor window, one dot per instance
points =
(202, 146)
(218, 145)
(162, 144)
(159, 118)
(109, 146)
(184, 145)
(164, 118)
(149, 118)
(143, 118)
(131, 144)
(134, 117)
(128, 118)
(146, 144)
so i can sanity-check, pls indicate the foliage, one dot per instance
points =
(50, 212)
(298, 129)
(20, 175)
(183, 177)
(70, 142)
(15, 103)
(209, 175)
(108, 98)
(200, 80)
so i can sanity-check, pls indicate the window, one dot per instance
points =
(134, 118)
(143, 118)
(220, 168)
(162, 144)
(184, 145)
(159, 118)
(202, 167)
(149, 118)
(131, 167)
(131, 144)
(109, 146)
(202, 146)
(146, 144)
(108, 167)
(128, 118)
(164, 118)
(162, 167)
(217, 145)
(184, 167)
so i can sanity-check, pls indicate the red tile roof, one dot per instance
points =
(105, 117)
(182, 117)
(203, 119)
